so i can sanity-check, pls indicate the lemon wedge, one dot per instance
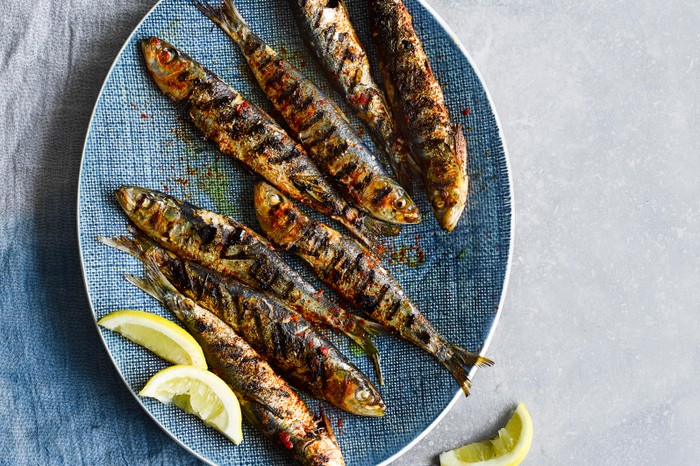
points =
(158, 334)
(201, 393)
(508, 448)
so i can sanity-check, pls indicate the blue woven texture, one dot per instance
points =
(137, 137)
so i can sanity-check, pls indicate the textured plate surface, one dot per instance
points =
(457, 279)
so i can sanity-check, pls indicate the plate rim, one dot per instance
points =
(506, 278)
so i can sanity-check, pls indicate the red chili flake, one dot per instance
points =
(144, 116)
(324, 351)
(311, 344)
(359, 99)
(242, 107)
(339, 424)
(133, 105)
(466, 112)
(286, 440)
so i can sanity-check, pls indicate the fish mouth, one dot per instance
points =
(126, 196)
(149, 47)
(448, 217)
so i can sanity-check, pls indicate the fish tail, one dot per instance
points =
(361, 336)
(454, 365)
(457, 359)
(227, 17)
(470, 359)
(154, 283)
(133, 247)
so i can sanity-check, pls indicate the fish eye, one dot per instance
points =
(363, 395)
(274, 199)
(167, 55)
(400, 203)
(439, 202)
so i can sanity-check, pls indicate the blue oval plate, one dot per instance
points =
(457, 279)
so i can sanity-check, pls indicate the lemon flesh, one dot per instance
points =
(508, 448)
(165, 338)
(199, 392)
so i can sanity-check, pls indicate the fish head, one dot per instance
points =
(141, 204)
(355, 393)
(448, 199)
(171, 69)
(388, 201)
(278, 216)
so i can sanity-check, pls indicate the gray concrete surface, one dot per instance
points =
(599, 337)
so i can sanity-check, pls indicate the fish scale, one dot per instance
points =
(266, 400)
(279, 334)
(230, 248)
(439, 147)
(357, 275)
(319, 124)
(245, 132)
(330, 35)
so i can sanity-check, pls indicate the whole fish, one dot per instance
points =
(267, 402)
(359, 277)
(416, 97)
(326, 27)
(232, 249)
(280, 335)
(319, 124)
(248, 134)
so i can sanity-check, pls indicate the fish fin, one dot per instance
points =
(327, 424)
(470, 359)
(133, 247)
(460, 147)
(361, 336)
(460, 357)
(404, 174)
(459, 373)
(155, 283)
(227, 17)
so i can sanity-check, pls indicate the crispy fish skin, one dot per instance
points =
(319, 125)
(280, 335)
(232, 249)
(248, 134)
(359, 277)
(419, 106)
(330, 35)
(267, 401)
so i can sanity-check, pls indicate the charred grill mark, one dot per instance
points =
(303, 105)
(286, 156)
(348, 55)
(380, 195)
(267, 59)
(393, 311)
(139, 204)
(337, 259)
(275, 78)
(364, 182)
(312, 120)
(328, 38)
(202, 327)
(252, 45)
(339, 149)
(268, 141)
(287, 93)
(182, 77)
(322, 137)
(206, 233)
